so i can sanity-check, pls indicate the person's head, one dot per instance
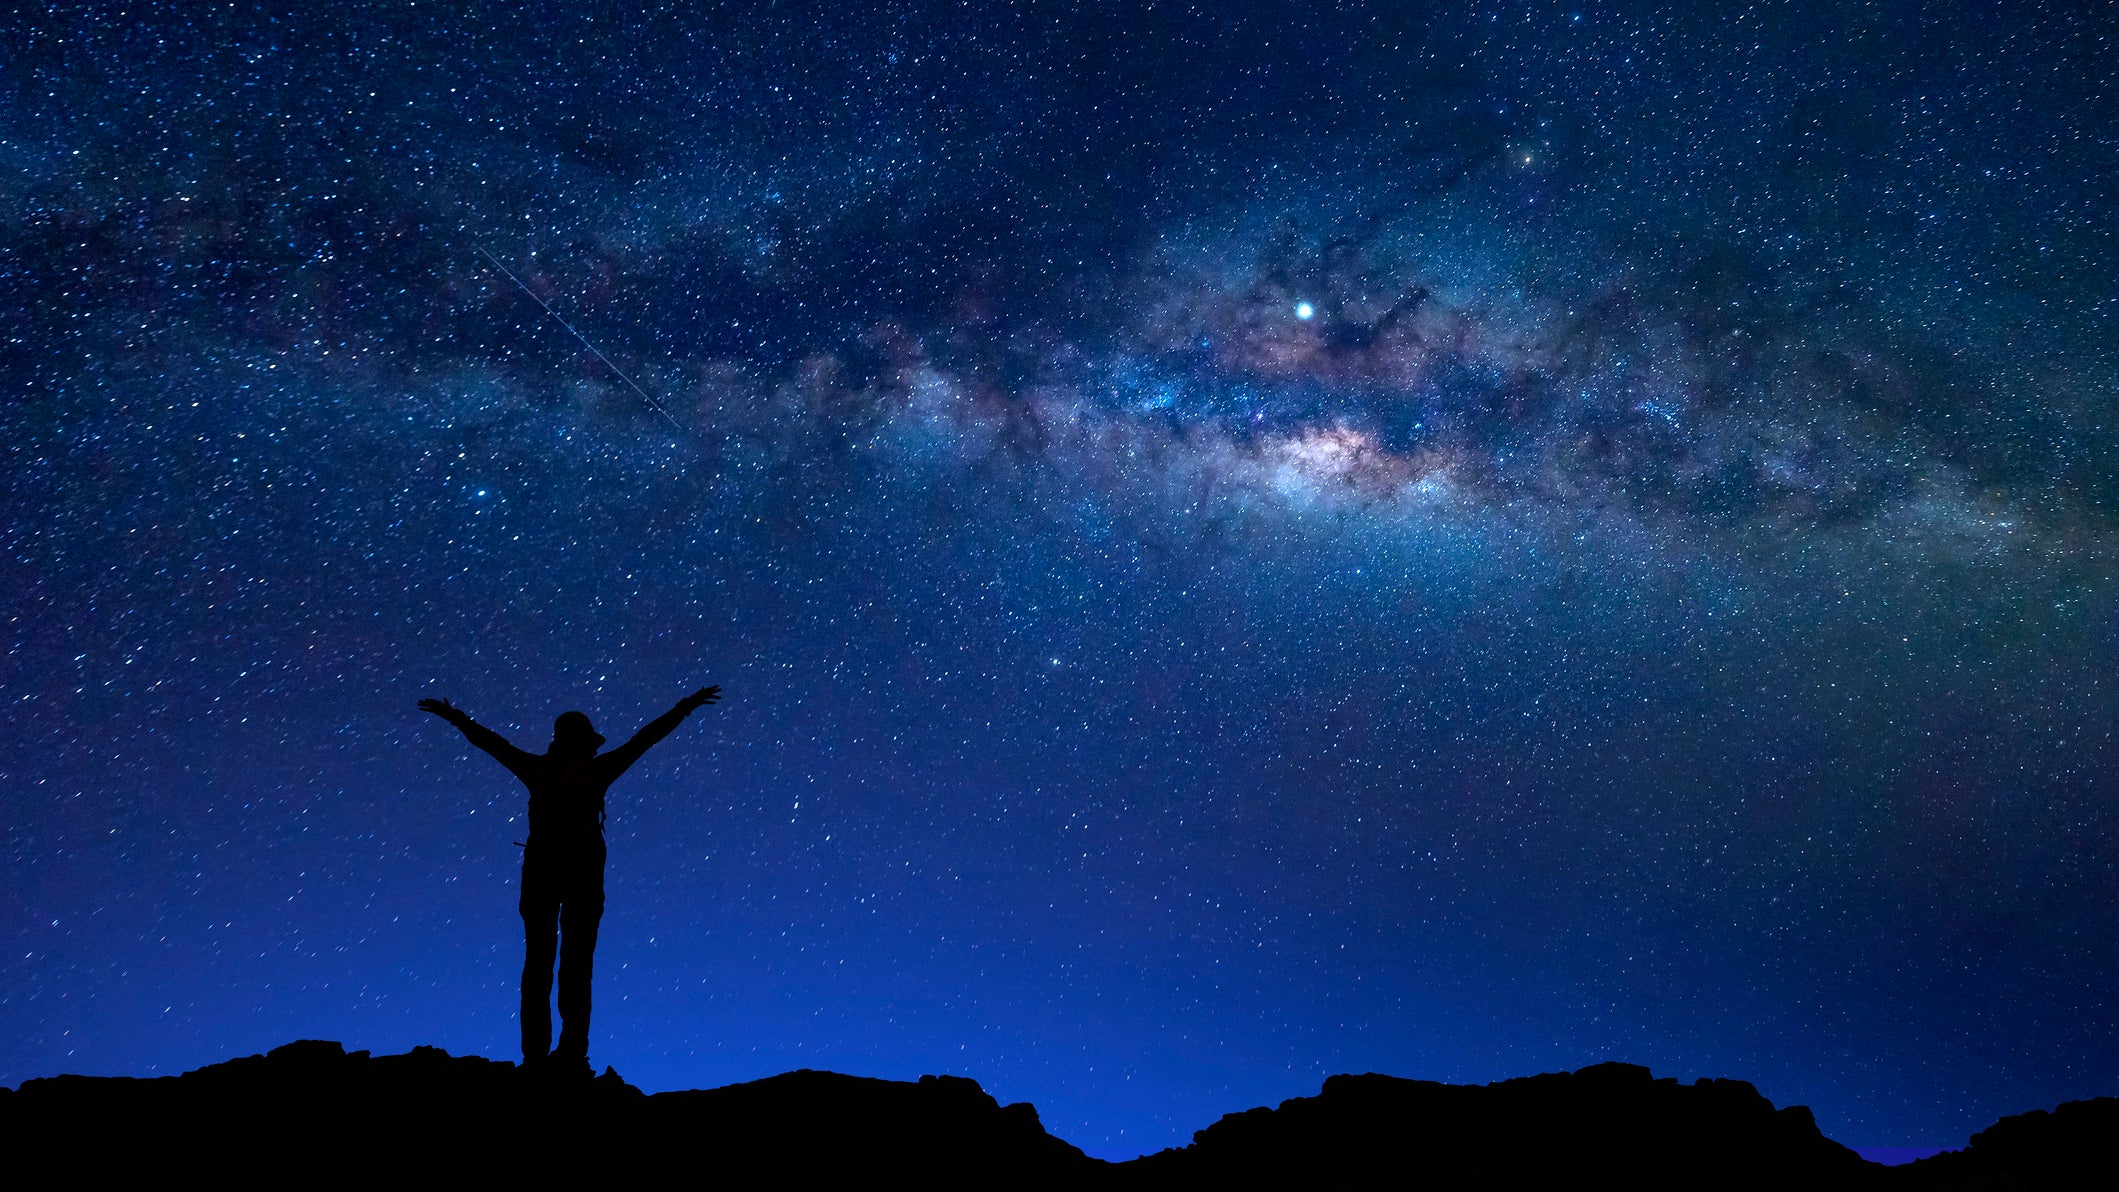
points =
(573, 735)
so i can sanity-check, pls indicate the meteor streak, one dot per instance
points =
(573, 331)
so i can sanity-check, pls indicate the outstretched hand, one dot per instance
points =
(444, 709)
(700, 698)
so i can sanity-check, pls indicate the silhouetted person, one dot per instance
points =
(562, 863)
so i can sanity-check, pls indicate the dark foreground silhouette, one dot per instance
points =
(562, 862)
(310, 1112)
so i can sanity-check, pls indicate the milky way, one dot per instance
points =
(1240, 545)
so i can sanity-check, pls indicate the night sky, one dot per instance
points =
(1240, 541)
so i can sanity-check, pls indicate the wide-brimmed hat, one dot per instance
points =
(573, 728)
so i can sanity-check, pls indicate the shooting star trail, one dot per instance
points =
(573, 331)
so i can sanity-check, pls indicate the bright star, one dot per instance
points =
(1305, 311)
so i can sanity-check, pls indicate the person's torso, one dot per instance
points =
(567, 804)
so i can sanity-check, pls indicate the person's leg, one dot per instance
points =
(578, 920)
(540, 933)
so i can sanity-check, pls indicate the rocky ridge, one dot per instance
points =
(313, 1112)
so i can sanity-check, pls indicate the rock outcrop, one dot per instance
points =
(312, 1112)
(2075, 1147)
(1612, 1125)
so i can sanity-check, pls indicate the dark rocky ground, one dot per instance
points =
(311, 1112)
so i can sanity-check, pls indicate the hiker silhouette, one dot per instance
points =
(562, 862)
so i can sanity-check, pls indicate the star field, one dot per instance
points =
(1240, 542)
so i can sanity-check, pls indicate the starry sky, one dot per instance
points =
(1241, 541)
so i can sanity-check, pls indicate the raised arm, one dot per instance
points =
(478, 734)
(622, 758)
